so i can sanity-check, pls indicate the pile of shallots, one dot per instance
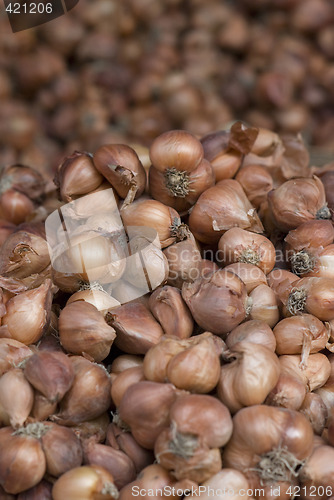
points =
(181, 341)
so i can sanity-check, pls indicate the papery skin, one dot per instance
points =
(315, 374)
(227, 480)
(22, 461)
(254, 331)
(249, 378)
(188, 189)
(23, 254)
(135, 326)
(42, 491)
(124, 380)
(260, 429)
(126, 442)
(289, 392)
(85, 482)
(16, 398)
(264, 306)
(145, 408)
(291, 334)
(250, 274)
(89, 396)
(256, 182)
(176, 148)
(195, 369)
(82, 329)
(51, 373)
(217, 301)
(204, 416)
(314, 233)
(120, 165)
(317, 472)
(158, 357)
(239, 245)
(224, 159)
(220, 208)
(114, 461)
(153, 476)
(152, 213)
(77, 176)
(12, 353)
(315, 411)
(297, 201)
(62, 449)
(168, 307)
(184, 261)
(199, 465)
(31, 308)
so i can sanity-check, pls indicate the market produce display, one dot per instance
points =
(181, 342)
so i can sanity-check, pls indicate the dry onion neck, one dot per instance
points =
(126, 176)
(306, 350)
(249, 256)
(116, 419)
(5, 184)
(130, 196)
(22, 363)
(109, 318)
(248, 306)
(228, 357)
(179, 230)
(23, 249)
(302, 262)
(54, 333)
(110, 489)
(177, 182)
(278, 464)
(323, 213)
(101, 365)
(296, 301)
(94, 285)
(35, 430)
(182, 444)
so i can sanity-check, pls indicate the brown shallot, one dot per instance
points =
(89, 396)
(145, 409)
(315, 411)
(82, 329)
(268, 444)
(240, 382)
(135, 326)
(298, 201)
(315, 374)
(168, 307)
(239, 245)
(303, 334)
(220, 208)
(255, 331)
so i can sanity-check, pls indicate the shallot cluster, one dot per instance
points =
(167, 326)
